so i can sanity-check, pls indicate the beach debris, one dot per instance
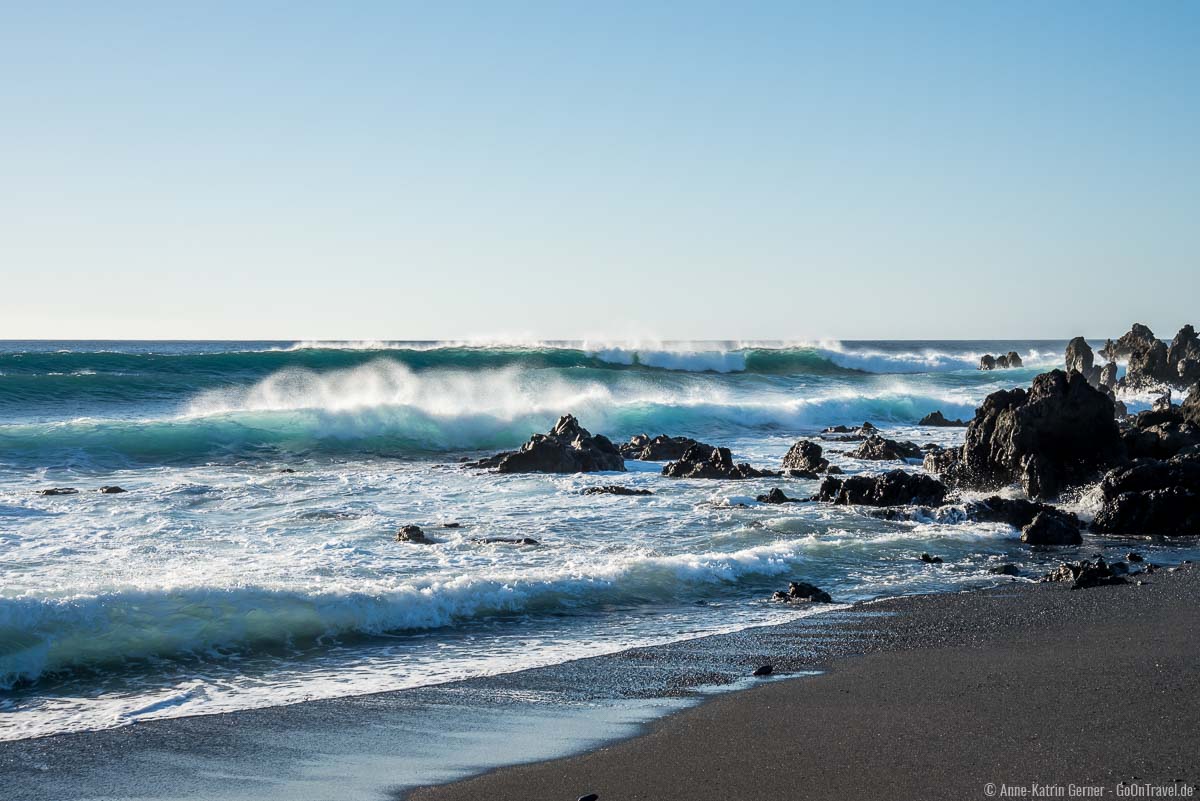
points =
(938, 419)
(1006, 569)
(894, 488)
(700, 462)
(505, 541)
(776, 496)
(805, 457)
(931, 560)
(567, 448)
(803, 592)
(1085, 574)
(615, 489)
(1052, 527)
(879, 449)
(1060, 432)
(111, 490)
(763, 670)
(412, 534)
(659, 449)
(58, 491)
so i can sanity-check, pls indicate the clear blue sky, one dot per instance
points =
(692, 170)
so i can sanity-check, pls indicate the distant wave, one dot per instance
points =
(383, 407)
(819, 358)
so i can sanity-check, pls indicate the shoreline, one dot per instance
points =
(955, 692)
(408, 743)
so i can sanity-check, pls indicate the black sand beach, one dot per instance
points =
(923, 697)
(960, 695)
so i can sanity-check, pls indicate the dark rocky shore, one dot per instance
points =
(1017, 684)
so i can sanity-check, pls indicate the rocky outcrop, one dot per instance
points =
(701, 462)
(1139, 336)
(1108, 376)
(1151, 363)
(894, 488)
(1189, 372)
(1159, 433)
(1148, 368)
(1190, 408)
(850, 434)
(803, 592)
(805, 457)
(944, 462)
(1089, 574)
(1002, 362)
(659, 449)
(1080, 359)
(877, 448)
(614, 489)
(505, 541)
(568, 448)
(1152, 497)
(938, 419)
(776, 496)
(1052, 527)
(1061, 432)
(931, 560)
(1016, 512)
(1183, 357)
(1079, 356)
(112, 490)
(58, 491)
(412, 534)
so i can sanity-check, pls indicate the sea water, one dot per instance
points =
(253, 559)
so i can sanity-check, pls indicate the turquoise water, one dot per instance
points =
(218, 582)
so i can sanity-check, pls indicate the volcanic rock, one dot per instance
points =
(568, 448)
(701, 462)
(894, 488)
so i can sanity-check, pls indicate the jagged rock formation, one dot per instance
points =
(568, 448)
(894, 488)
(701, 462)
(805, 457)
(1060, 432)
(660, 449)
(876, 448)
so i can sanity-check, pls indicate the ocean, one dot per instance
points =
(252, 561)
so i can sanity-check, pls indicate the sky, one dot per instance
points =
(386, 170)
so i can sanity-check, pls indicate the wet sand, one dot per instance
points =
(922, 697)
(1037, 685)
